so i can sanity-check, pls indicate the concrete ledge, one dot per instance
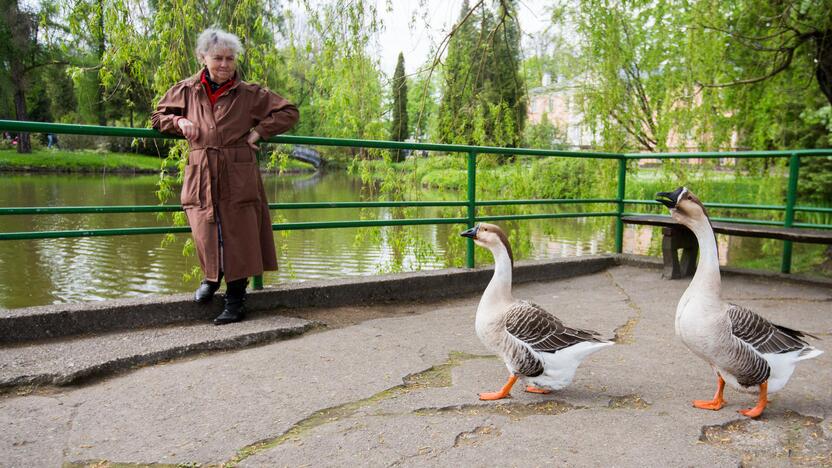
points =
(62, 320)
(68, 361)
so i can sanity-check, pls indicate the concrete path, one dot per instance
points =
(401, 390)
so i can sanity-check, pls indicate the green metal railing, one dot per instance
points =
(470, 203)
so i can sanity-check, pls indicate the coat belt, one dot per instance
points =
(217, 147)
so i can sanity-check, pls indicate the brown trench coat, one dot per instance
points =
(223, 193)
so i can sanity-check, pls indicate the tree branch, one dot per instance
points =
(38, 65)
(783, 66)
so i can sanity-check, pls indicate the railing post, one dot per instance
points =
(472, 206)
(791, 199)
(619, 225)
(257, 282)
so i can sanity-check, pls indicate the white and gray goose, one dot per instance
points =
(744, 349)
(535, 345)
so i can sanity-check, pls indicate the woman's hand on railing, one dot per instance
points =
(188, 128)
(253, 138)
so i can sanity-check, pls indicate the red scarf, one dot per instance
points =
(214, 95)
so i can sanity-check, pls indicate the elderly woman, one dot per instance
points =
(223, 118)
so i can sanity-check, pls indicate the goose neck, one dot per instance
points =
(499, 288)
(707, 277)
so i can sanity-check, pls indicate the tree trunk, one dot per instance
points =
(102, 116)
(824, 67)
(24, 145)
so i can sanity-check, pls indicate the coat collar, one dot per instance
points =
(195, 81)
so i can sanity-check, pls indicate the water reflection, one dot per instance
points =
(38, 272)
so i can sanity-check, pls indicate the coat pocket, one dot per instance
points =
(243, 181)
(190, 186)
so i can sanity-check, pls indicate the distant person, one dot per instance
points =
(223, 118)
(51, 140)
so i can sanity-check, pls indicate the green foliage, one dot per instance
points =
(336, 84)
(399, 126)
(422, 105)
(483, 95)
(544, 135)
(707, 74)
(552, 55)
(77, 161)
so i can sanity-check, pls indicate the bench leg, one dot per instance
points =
(674, 239)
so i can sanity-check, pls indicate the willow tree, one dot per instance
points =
(773, 67)
(635, 81)
(333, 78)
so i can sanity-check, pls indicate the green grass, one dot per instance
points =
(45, 160)
(77, 161)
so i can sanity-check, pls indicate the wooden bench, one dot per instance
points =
(676, 236)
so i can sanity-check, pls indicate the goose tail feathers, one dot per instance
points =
(809, 353)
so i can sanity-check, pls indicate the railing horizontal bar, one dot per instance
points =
(89, 209)
(812, 209)
(93, 232)
(730, 220)
(168, 208)
(551, 201)
(366, 223)
(42, 127)
(812, 225)
(731, 154)
(715, 205)
(546, 216)
(276, 227)
(762, 222)
(381, 204)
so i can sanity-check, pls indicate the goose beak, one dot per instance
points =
(471, 233)
(669, 199)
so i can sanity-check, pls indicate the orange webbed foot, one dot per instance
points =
(751, 412)
(718, 402)
(714, 405)
(490, 396)
(761, 403)
(532, 389)
(504, 392)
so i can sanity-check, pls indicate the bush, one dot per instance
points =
(83, 142)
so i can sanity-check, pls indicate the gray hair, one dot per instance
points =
(213, 38)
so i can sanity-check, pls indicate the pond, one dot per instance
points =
(48, 271)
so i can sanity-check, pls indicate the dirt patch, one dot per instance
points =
(788, 439)
(628, 402)
(477, 436)
(514, 411)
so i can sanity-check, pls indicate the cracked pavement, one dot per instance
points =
(401, 390)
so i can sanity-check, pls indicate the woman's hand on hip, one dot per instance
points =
(188, 128)
(253, 138)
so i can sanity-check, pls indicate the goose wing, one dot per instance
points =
(764, 336)
(542, 331)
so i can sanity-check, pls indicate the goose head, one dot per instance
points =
(489, 236)
(684, 206)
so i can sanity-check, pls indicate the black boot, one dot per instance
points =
(235, 298)
(206, 290)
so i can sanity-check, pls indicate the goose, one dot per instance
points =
(744, 349)
(535, 345)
